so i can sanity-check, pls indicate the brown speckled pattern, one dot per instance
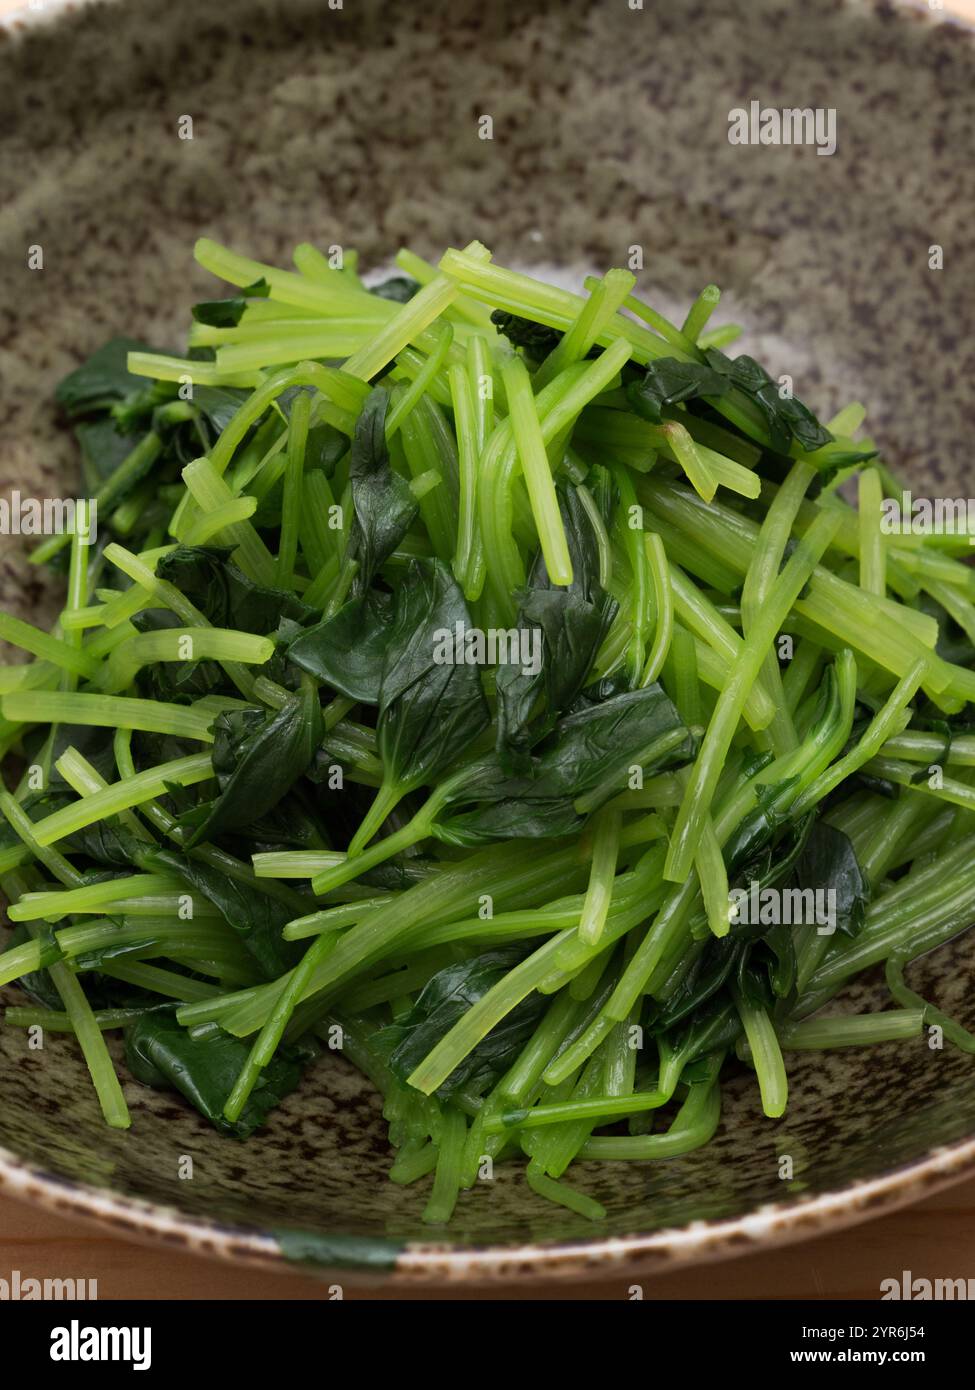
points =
(359, 126)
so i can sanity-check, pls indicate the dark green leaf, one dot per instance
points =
(668, 381)
(589, 752)
(160, 1053)
(226, 313)
(325, 447)
(594, 748)
(287, 825)
(257, 918)
(537, 339)
(400, 289)
(445, 999)
(103, 380)
(218, 404)
(953, 645)
(779, 945)
(495, 806)
(765, 845)
(712, 970)
(224, 594)
(753, 981)
(572, 621)
(108, 843)
(347, 651)
(787, 418)
(829, 864)
(384, 506)
(428, 712)
(257, 760)
(715, 1024)
(103, 447)
(93, 743)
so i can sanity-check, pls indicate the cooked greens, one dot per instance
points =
(495, 686)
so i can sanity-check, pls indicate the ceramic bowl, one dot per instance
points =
(360, 126)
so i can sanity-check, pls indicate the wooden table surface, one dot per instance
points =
(934, 1239)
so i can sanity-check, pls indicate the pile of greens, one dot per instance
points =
(450, 655)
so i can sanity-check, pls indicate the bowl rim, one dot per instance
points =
(422, 1263)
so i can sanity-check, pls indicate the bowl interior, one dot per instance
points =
(360, 126)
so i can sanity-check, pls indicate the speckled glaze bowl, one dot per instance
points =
(359, 126)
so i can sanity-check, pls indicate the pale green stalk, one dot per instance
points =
(287, 286)
(56, 650)
(602, 874)
(663, 608)
(766, 1055)
(120, 796)
(597, 312)
(699, 312)
(717, 741)
(421, 383)
(409, 321)
(23, 826)
(873, 554)
(210, 492)
(291, 500)
(468, 447)
(193, 644)
(109, 712)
